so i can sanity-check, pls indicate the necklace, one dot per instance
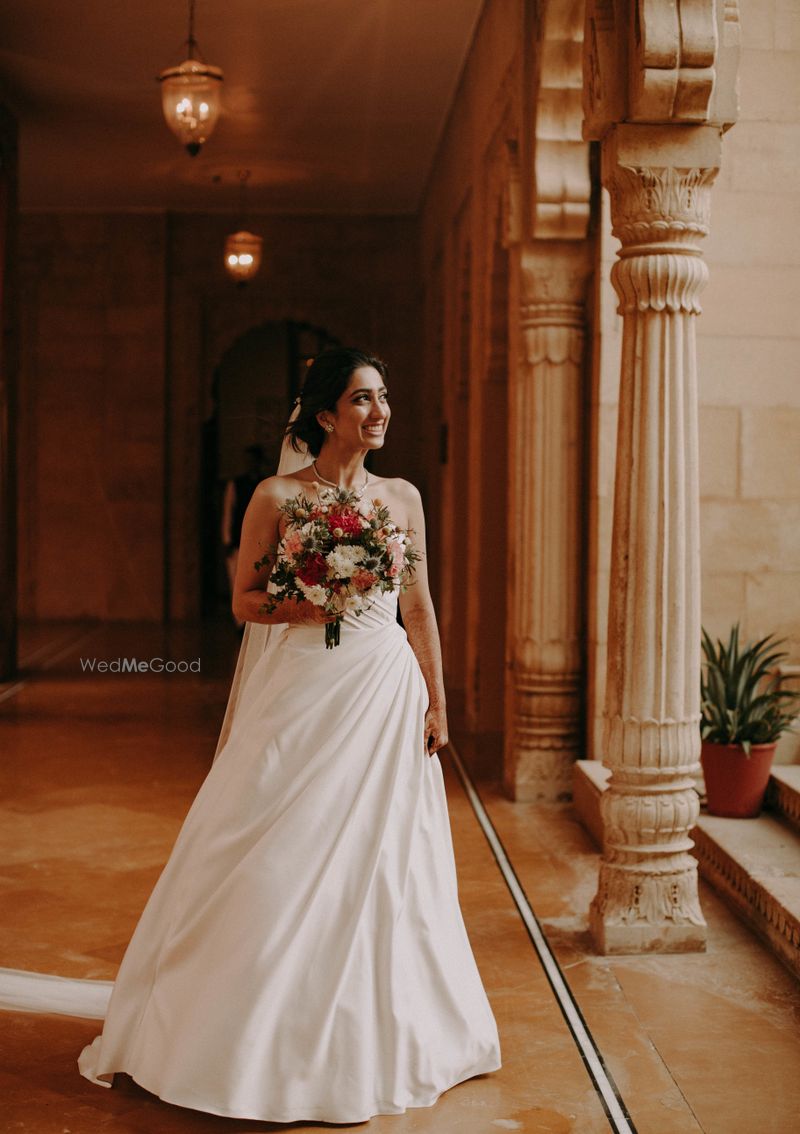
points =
(358, 493)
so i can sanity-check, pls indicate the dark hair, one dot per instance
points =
(326, 380)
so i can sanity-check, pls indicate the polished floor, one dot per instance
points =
(98, 770)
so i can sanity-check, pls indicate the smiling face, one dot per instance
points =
(362, 412)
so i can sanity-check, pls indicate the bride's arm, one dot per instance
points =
(259, 538)
(419, 618)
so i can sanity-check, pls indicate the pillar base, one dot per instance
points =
(543, 776)
(649, 907)
(616, 938)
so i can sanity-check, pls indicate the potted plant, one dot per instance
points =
(743, 712)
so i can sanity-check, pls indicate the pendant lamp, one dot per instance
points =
(190, 95)
(243, 248)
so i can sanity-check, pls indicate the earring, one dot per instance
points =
(329, 427)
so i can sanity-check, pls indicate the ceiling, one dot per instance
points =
(335, 106)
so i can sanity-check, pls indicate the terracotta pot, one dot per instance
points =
(735, 783)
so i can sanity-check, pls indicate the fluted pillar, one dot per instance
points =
(659, 180)
(544, 631)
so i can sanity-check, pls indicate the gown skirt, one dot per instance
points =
(303, 954)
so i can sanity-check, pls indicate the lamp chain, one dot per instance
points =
(244, 174)
(191, 41)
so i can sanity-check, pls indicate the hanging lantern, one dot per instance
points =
(190, 95)
(242, 255)
(243, 248)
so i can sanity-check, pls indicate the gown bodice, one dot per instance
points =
(379, 615)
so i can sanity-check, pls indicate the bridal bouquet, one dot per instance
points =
(337, 557)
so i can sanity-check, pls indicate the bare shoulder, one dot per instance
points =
(403, 499)
(273, 490)
(401, 489)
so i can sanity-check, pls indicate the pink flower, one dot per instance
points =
(397, 557)
(293, 544)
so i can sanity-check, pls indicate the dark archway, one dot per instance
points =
(254, 384)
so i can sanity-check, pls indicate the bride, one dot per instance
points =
(303, 954)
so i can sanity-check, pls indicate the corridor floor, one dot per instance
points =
(98, 771)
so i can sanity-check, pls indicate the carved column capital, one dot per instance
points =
(655, 204)
(660, 211)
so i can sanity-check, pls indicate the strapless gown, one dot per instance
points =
(303, 953)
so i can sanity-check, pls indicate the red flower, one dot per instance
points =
(347, 520)
(364, 580)
(314, 570)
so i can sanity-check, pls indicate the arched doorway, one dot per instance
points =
(254, 384)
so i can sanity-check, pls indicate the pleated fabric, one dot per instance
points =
(303, 954)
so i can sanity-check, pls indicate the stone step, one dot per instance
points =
(783, 793)
(755, 865)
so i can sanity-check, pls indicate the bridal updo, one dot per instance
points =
(327, 379)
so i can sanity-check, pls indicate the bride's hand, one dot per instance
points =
(308, 612)
(435, 729)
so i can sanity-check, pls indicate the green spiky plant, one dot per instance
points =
(741, 701)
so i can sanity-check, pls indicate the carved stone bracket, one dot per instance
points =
(562, 183)
(647, 61)
(512, 196)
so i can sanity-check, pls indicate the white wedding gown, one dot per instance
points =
(303, 954)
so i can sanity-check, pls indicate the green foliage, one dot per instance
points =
(741, 702)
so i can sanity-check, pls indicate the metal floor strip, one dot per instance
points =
(607, 1090)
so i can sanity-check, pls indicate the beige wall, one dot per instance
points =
(749, 364)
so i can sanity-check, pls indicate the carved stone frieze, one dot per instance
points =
(755, 898)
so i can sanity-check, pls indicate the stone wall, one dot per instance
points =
(91, 416)
(749, 360)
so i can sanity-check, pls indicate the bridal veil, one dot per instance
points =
(259, 637)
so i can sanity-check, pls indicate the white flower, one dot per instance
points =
(316, 594)
(343, 561)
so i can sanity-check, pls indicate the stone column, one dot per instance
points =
(659, 178)
(551, 263)
(543, 691)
